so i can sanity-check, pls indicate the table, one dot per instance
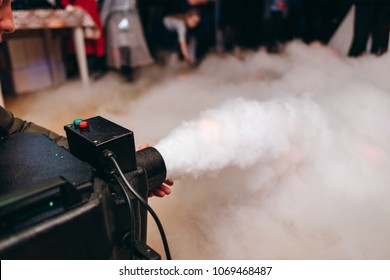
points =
(51, 19)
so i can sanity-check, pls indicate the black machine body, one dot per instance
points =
(88, 139)
(56, 204)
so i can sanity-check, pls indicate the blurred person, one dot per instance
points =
(275, 12)
(240, 24)
(312, 17)
(204, 34)
(372, 17)
(294, 21)
(229, 23)
(321, 18)
(126, 45)
(10, 124)
(174, 37)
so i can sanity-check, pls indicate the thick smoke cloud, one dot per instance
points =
(242, 133)
(275, 156)
(295, 168)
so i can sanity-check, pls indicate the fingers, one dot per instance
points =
(169, 182)
(165, 189)
(162, 190)
(157, 192)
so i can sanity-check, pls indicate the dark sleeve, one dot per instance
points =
(9, 125)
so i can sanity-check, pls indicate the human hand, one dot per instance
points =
(162, 190)
(189, 61)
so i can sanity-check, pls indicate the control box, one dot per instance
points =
(89, 138)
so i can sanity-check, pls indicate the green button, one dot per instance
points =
(76, 122)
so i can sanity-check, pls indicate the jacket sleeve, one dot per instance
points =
(9, 125)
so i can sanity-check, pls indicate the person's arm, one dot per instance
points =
(181, 34)
(184, 51)
(9, 125)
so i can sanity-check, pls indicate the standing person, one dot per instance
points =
(126, 45)
(230, 22)
(274, 13)
(312, 18)
(241, 24)
(372, 17)
(95, 48)
(294, 20)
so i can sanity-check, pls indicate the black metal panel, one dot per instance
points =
(27, 159)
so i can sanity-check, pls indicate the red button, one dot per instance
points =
(83, 124)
